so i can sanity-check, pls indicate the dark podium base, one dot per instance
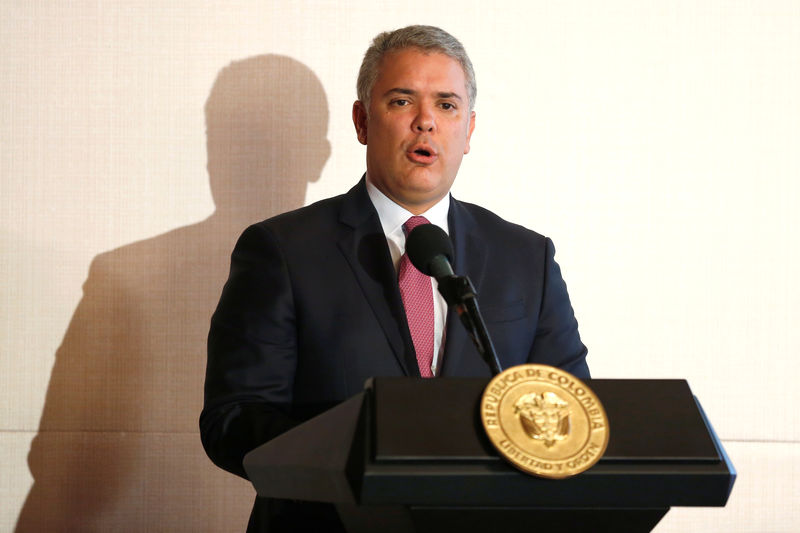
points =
(360, 519)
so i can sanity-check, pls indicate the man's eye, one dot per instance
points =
(447, 106)
(400, 102)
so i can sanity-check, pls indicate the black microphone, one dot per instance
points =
(430, 250)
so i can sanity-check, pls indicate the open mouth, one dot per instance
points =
(422, 156)
(422, 153)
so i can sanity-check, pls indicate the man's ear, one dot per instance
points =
(360, 121)
(469, 131)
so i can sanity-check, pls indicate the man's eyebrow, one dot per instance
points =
(412, 92)
(449, 95)
(400, 90)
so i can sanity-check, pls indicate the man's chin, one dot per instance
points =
(424, 179)
(420, 200)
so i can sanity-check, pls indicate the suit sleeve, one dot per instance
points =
(557, 341)
(252, 354)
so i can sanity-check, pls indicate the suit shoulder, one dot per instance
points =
(298, 218)
(492, 224)
(291, 227)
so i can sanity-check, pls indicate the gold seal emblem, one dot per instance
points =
(544, 421)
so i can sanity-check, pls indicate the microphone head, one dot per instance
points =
(425, 243)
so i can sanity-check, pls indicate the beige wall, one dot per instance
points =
(656, 143)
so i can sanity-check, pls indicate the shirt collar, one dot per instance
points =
(393, 216)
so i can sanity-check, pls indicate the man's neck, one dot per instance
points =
(393, 215)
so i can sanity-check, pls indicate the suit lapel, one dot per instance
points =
(363, 244)
(470, 260)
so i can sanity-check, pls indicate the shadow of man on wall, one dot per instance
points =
(118, 446)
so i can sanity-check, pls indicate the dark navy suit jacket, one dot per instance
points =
(312, 308)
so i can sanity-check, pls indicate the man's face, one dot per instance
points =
(418, 127)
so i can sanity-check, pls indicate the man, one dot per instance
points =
(314, 304)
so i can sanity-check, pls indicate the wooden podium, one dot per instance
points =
(410, 455)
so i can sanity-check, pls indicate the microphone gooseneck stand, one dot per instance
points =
(431, 252)
(459, 293)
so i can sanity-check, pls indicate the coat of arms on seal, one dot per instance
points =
(544, 421)
(544, 416)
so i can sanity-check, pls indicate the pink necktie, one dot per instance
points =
(417, 294)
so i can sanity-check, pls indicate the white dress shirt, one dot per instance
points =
(392, 218)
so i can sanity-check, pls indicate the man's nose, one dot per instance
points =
(424, 121)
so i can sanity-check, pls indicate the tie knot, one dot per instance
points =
(413, 222)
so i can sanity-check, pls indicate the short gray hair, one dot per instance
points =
(426, 38)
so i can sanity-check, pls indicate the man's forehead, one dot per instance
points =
(397, 54)
(407, 62)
